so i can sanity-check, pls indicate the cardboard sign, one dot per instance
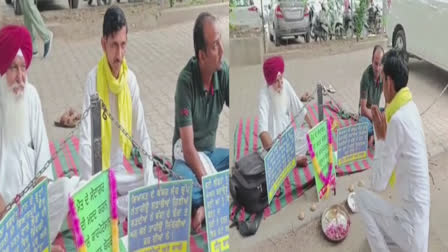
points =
(280, 161)
(352, 143)
(159, 217)
(27, 228)
(92, 203)
(319, 140)
(216, 203)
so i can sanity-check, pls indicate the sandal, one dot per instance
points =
(69, 119)
(306, 97)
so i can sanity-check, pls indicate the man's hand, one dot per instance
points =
(379, 122)
(266, 140)
(191, 155)
(40, 179)
(2, 206)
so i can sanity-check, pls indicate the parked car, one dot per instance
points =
(245, 15)
(288, 18)
(425, 37)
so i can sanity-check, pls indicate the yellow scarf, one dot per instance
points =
(401, 98)
(106, 82)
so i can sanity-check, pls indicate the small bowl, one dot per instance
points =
(335, 223)
(351, 202)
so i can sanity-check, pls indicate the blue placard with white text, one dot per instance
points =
(26, 227)
(352, 143)
(280, 161)
(159, 217)
(216, 203)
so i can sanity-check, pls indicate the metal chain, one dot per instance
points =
(162, 165)
(305, 104)
(47, 164)
(261, 149)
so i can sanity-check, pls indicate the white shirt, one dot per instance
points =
(20, 162)
(139, 131)
(276, 124)
(405, 150)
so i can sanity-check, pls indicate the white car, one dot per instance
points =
(245, 15)
(418, 27)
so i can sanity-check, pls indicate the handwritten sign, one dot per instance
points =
(319, 140)
(92, 203)
(216, 203)
(280, 161)
(159, 217)
(352, 143)
(27, 228)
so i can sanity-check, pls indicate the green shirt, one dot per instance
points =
(370, 89)
(199, 107)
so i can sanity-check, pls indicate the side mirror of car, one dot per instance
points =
(269, 6)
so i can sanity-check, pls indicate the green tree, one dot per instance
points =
(360, 14)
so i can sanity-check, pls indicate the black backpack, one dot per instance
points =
(248, 190)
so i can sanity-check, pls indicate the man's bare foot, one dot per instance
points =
(302, 161)
(57, 248)
(198, 218)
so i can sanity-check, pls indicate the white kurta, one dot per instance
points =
(275, 124)
(20, 162)
(406, 225)
(125, 181)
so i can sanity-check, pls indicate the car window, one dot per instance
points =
(242, 3)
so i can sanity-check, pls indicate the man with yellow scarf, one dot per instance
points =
(400, 153)
(116, 85)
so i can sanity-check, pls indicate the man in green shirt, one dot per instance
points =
(202, 90)
(371, 90)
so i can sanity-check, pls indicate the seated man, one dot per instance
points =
(277, 103)
(116, 85)
(400, 154)
(201, 92)
(24, 147)
(371, 89)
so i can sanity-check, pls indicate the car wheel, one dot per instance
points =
(399, 42)
(307, 37)
(277, 40)
(73, 4)
(8, 1)
(271, 38)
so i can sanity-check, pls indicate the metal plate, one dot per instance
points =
(351, 202)
(335, 223)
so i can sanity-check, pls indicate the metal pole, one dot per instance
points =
(262, 23)
(95, 119)
(320, 101)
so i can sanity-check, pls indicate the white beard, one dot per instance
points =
(279, 101)
(13, 114)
